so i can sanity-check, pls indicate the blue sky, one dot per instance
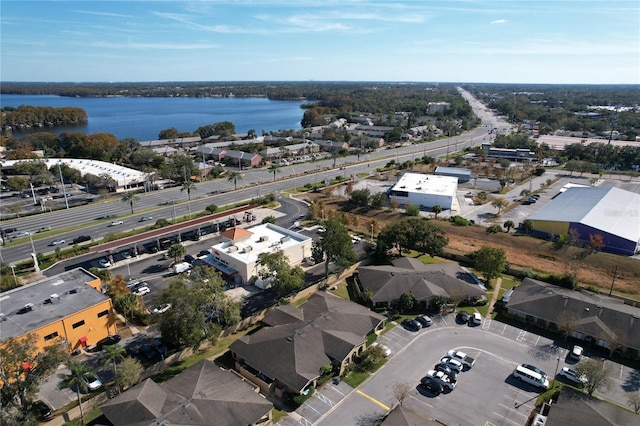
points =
(576, 41)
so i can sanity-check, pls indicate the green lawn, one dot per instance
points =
(341, 290)
(277, 415)
(355, 378)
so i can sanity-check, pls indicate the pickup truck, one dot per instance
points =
(462, 357)
(179, 268)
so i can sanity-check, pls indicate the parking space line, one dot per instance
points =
(309, 405)
(336, 389)
(372, 399)
(504, 329)
(444, 320)
(486, 324)
(306, 422)
(421, 401)
(537, 340)
(511, 410)
(521, 335)
(507, 419)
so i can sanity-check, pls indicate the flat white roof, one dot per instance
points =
(427, 184)
(265, 238)
(122, 175)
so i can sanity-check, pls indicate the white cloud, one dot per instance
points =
(115, 15)
(499, 21)
(163, 46)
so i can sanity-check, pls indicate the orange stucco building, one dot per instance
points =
(68, 307)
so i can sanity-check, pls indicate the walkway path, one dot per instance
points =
(496, 291)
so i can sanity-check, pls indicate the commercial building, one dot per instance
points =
(425, 191)
(237, 256)
(612, 213)
(463, 175)
(68, 307)
(518, 154)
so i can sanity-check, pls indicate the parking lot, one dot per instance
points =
(485, 394)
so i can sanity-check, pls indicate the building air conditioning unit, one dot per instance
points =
(233, 249)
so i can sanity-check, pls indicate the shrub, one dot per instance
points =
(494, 229)
(459, 221)
(413, 210)
(300, 399)
(211, 208)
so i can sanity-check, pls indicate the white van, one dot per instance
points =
(529, 376)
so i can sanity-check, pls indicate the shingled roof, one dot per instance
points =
(296, 345)
(425, 282)
(600, 316)
(196, 396)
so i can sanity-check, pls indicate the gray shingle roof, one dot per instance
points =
(293, 352)
(600, 316)
(577, 408)
(201, 395)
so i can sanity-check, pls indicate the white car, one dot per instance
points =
(453, 364)
(141, 291)
(21, 234)
(104, 262)
(93, 384)
(116, 223)
(125, 255)
(56, 242)
(572, 376)
(576, 352)
(162, 308)
(442, 378)
(385, 350)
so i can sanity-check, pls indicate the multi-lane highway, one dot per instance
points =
(70, 223)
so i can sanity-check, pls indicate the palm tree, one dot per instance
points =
(436, 209)
(274, 168)
(234, 177)
(114, 354)
(188, 186)
(129, 197)
(79, 374)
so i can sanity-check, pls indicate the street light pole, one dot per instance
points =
(555, 374)
(64, 192)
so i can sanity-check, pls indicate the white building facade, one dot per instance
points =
(425, 191)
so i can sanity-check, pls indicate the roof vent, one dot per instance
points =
(233, 249)
(289, 339)
(586, 309)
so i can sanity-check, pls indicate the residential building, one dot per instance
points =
(603, 321)
(425, 191)
(386, 283)
(575, 408)
(68, 307)
(331, 146)
(585, 212)
(201, 395)
(287, 355)
(237, 256)
(175, 142)
(241, 158)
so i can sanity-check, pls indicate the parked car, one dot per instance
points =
(462, 317)
(442, 378)
(385, 350)
(455, 365)
(104, 262)
(446, 370)
(160, 347)
(56, 242)
(476, 319)
(188, 258)
(116, 223)
(111, 339)
(573, 376)
(576, 353)
(411, 325)
(81, 239)
(141, 291)
(145, 218)
(148, 351)
(162, 308)
(432, 385)
(42, 410)
(125, 254)
(92, 383)
(536, 369)
(204, 253)
(424, 321)
(462, 357)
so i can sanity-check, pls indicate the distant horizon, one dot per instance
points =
(316, 81)
(557, 42)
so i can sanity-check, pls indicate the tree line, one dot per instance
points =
(26, 117)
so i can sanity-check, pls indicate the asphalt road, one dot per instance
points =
(68, 224)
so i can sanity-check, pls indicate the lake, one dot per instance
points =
(144, 118)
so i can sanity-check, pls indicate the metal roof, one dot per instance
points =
(611, 210)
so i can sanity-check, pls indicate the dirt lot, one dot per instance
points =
(595, 269)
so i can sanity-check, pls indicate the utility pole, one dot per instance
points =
(613, 281)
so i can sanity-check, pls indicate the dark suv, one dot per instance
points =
(109, 340)
(432, 385)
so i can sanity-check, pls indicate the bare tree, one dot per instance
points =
(567, 322)
(598, 375)
(614, 340)
(401, 391)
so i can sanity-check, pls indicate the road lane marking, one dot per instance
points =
(372, 399)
